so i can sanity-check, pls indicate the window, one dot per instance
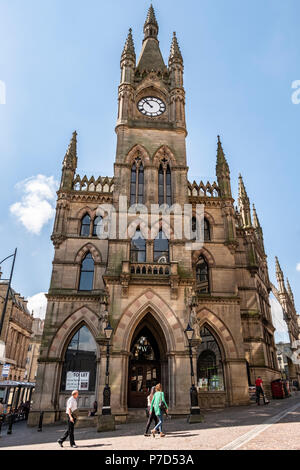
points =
(137, 182)
(209, 365)
(97, 227)
(161, 248)
(138, 248)
(164, 183)
(79, 368)
(202, 277)
(195, 229)
(87, 273)
(206, 231)
(85, 226)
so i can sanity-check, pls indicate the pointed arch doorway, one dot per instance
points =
(148, 363)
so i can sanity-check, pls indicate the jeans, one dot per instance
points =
(69, 432)
(259, 391)
(160, 422)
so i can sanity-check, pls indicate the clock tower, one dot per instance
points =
(151, 116)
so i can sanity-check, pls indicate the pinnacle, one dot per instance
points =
(129, 45)
(278, 268)
(151, 19)
(175, 49)
(256, 223)
(242, 189)
(70, 160)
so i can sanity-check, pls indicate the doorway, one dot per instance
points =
(147, 357)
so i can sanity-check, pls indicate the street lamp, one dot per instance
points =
(8, 287)
(106, 409)
(195, 416)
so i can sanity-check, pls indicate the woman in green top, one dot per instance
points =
(159, 397)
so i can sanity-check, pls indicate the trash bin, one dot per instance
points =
(277, 389)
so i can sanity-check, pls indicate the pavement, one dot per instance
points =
(270, 427)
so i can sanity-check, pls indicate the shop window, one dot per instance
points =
(210, 374)
(79, 368)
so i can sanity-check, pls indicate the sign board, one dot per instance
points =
(5, 370)
(77, 381)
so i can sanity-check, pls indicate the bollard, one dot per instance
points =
(40, 428)
(10, 423)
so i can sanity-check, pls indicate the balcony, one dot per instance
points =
(149, 269)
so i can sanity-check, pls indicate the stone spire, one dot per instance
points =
(151, 26)
(223, 172)
(175, 53)
(70, 160)
(256, 223)
(244, 204)
(151, 58)
(279, 276)
(290, 292)
(129, 51)
(257, 227)
(69, 164)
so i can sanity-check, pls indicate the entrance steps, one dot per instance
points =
(136, 415)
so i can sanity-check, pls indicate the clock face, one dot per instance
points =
(151, 106)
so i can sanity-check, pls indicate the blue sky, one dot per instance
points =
(59, 60)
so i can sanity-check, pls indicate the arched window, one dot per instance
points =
(97, 226)
(164, 184)
(137, 182)
(202, 277)
(161, 248)
(209, 365)
(206, 231)
(87, 273)
(196, 229)
(85, 226)
(138, 248)
(79, 368)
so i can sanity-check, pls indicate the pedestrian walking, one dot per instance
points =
(151, 415)
(72, 415)
(160, 407)
(260, 391)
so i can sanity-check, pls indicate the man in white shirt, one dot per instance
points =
(71, 411)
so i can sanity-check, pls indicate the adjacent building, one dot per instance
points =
(34, 350)
(15, 334)
(148, 282)
(289, 353)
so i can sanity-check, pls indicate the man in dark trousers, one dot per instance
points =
(260, 391)
(72, 414)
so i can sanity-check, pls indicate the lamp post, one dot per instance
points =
(106, 421)
(106, 409)
(195, 415)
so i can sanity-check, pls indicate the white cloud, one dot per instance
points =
(38, 304)
(36, 207)
(281, 333)
(298, 267)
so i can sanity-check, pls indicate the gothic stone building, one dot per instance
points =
(143, 284)
(284, 295)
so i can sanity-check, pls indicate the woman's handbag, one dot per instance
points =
(162, 405)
